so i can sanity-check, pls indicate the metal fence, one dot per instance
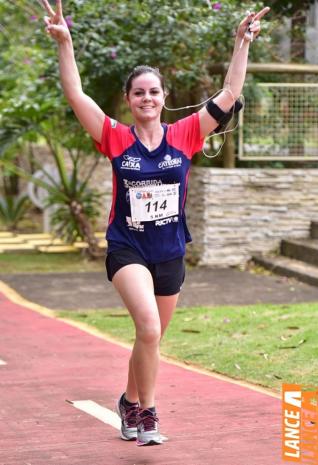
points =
(279, 122)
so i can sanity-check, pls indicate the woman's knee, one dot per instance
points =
(149, 332)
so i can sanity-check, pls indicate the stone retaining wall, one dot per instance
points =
(233, 213)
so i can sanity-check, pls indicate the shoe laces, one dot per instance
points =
(131, 415)
(148, 420)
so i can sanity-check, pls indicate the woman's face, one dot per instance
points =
(146, 97)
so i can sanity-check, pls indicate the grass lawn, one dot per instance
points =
(261, 344)
(37, 262)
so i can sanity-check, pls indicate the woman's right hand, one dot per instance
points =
(56, 25)
(87, 111)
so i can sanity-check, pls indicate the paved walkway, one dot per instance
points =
(203, 286)
(45, 362)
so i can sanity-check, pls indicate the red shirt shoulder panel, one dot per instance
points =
(185, 135)
(116, 138)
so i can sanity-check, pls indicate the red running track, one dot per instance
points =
(208, 421)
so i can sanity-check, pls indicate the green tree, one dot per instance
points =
(183, 38)
(33, 110)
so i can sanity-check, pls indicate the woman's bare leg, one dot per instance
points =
(135, 286)
(166, 307)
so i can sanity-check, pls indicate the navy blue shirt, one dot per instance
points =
(163, 237)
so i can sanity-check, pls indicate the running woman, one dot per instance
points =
(147, 229)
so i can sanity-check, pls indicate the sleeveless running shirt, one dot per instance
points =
(150, 188)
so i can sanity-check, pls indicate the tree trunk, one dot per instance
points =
(228, 151)
(94, 250)
(11, 181)
(298, 37)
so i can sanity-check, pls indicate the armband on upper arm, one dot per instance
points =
(222, 117)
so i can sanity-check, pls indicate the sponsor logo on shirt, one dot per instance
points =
(134, 225)
(113, 123)
(147, 182)
(169, 162)
(130, 163)
(172, 219)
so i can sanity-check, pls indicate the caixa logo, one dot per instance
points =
(130, 163)
(169, 162)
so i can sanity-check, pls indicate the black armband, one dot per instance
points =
(222, 117)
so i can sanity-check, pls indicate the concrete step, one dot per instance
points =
(10, 242)
(18, 247)
(289, 267)
(305, 250)
(314, 229)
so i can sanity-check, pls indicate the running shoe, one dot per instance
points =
(148, 429)
(128, 416)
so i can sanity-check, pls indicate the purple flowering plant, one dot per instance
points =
(113, 54)
(69, 21)
(217, 6)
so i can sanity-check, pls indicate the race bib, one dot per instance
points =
(154, 202)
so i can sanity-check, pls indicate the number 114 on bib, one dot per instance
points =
(154, 202)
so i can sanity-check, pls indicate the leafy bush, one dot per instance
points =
(13, 209)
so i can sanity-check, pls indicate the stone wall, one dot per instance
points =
(233, 213)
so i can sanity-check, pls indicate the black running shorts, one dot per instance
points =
(167, 276)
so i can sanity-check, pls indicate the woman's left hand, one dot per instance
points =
(250, 27)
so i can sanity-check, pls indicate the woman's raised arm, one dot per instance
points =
(89, 114)
(234, 80)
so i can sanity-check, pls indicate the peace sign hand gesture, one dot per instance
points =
(55, 23)
(250, 27)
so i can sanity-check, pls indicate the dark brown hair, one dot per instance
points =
(138, 71)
